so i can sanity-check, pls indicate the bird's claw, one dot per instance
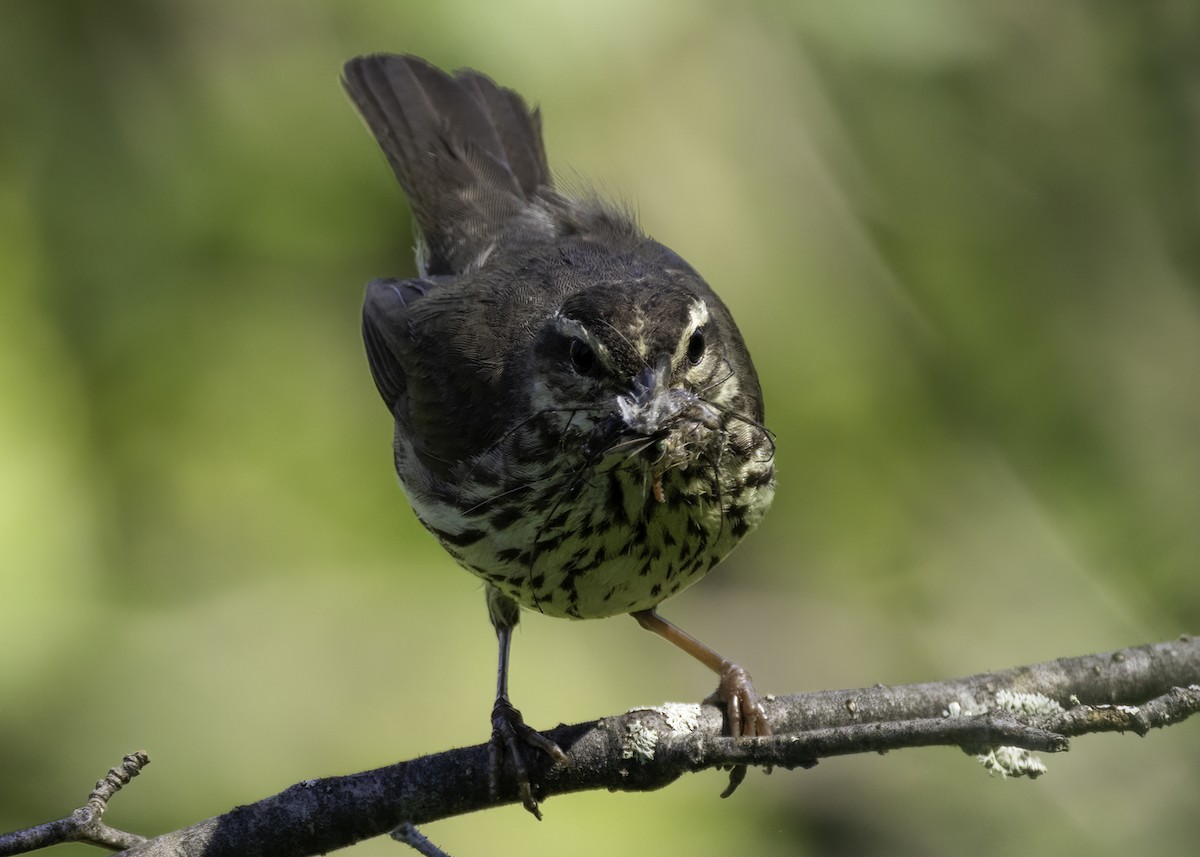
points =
(745, 713)
(509, 732)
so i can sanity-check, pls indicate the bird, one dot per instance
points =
(577, 418)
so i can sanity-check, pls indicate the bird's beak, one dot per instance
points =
(651, 403)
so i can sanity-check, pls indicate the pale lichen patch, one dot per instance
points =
(640, 741)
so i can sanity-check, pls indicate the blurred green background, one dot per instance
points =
(962, 240)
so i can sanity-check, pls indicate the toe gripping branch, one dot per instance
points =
(744, 711)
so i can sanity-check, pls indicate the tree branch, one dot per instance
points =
(84, 824)
(1000, 717)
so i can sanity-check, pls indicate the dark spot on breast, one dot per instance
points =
(557, 522)
(760, 478)
(463, 539)
(505, 518)
(616, 499)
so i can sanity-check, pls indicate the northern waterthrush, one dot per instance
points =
(577, 418)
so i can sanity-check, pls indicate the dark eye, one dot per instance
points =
(583, 358)
(695, 351)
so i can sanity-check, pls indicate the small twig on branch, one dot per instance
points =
(1178, 703)
(1000, 717)
(410, 836)
(84, 824)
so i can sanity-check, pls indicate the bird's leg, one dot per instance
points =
(509, 730)
(743, 708)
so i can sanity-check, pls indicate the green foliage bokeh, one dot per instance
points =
(963, 244)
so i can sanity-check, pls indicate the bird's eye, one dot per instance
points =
(583, 358)
(696, 346)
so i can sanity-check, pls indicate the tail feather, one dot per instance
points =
(519, 131)
(467, 152)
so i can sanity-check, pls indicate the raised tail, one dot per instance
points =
(467, 152)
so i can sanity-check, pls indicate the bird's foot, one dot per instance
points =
(744, 712)
(510, 736)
